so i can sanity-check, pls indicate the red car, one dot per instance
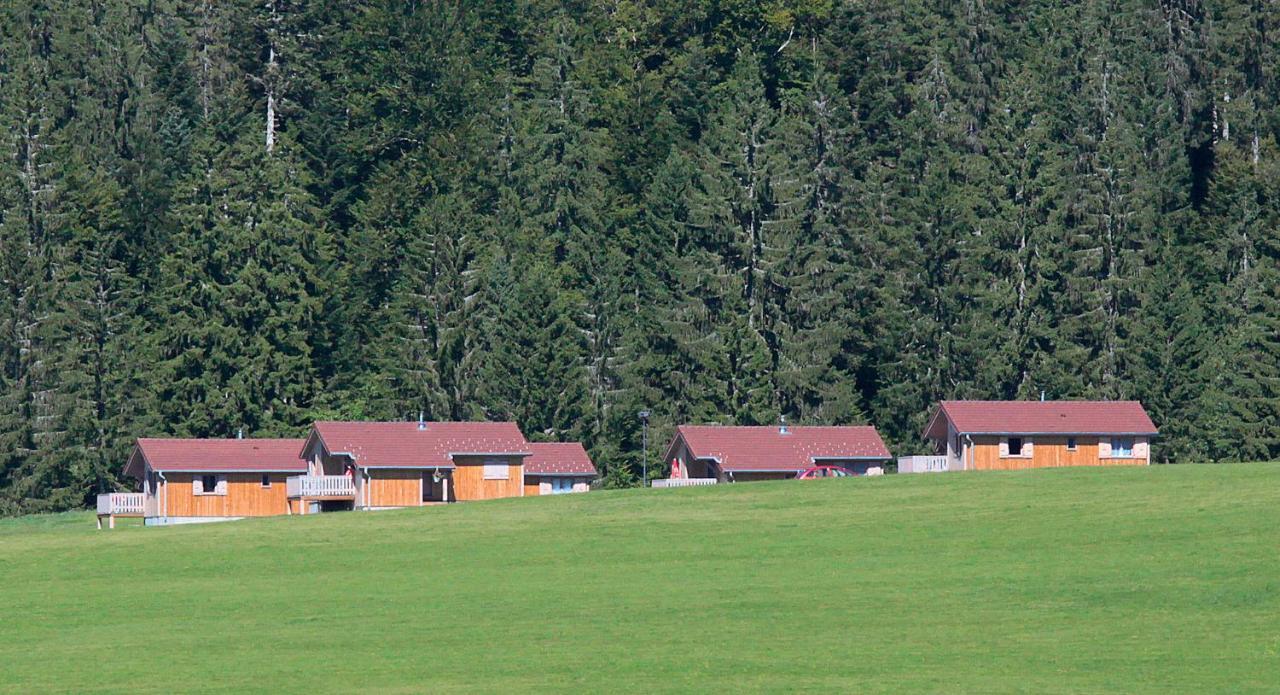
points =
(825, 472)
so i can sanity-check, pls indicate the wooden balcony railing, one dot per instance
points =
(315, 486)
(924, 464)
(121, 503)
(683, 482)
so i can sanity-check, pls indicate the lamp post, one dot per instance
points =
(644, 449)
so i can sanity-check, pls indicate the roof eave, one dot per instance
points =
(143, 465)
(884, 457)
(680, 436)
(412, 466)
(941, 411)
(1058, 434)
(229, 470)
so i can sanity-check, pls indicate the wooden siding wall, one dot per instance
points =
(1046, 452)
(532, 485)
(700, 469)
(329, 465)
(245, 496)
(469, 483)
(395, 488)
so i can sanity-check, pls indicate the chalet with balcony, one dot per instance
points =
(410, 464)
(738, 454)
(193, 480)
(555, 468)
(1008, 435)
(338, 466)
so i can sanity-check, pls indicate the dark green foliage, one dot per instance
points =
(564, 213)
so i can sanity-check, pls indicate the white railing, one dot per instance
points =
(683, 482)
(320, 486)
(924, 464)
(121, 503)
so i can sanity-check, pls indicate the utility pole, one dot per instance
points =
(644, 449)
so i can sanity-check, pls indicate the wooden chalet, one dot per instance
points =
(745, 453)
(1007, 435)
(192, 480)
(340, 466)
(409, 464)
(557, 468)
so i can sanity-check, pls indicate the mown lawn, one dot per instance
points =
(1162, 579)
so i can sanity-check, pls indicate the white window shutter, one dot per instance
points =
(197, 486)
(1140, 449)
(495, 469)
(1004, 446)
(1026, 448)
(222, 485)
(1104, 448)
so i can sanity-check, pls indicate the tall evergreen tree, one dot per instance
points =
(239, 304)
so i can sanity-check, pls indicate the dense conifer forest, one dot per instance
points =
(249, 214)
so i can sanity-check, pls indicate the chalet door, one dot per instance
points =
(432, 489)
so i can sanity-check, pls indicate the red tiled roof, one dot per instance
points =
(215, 455)
(403, 445)
(766, 448)
(565, 458)
(1041, 417)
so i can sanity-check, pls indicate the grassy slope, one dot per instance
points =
(1157, 579)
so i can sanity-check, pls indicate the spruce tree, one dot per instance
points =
(236, 316)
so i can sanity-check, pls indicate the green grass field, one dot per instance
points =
(1087, 580)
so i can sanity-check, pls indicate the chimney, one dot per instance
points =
(422, 424)
(240, 433)
(1042, 395)
(782, 425)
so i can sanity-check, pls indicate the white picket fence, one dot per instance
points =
(683, 482)
(320, 486)
(121, 503)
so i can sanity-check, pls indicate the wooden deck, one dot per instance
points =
(114, 504)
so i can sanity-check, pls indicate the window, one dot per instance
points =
(1122, 447)
(208, 484)
(559, 486)
(495, 470)
(266, 480)
(1071, 443)
(1015, 446)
